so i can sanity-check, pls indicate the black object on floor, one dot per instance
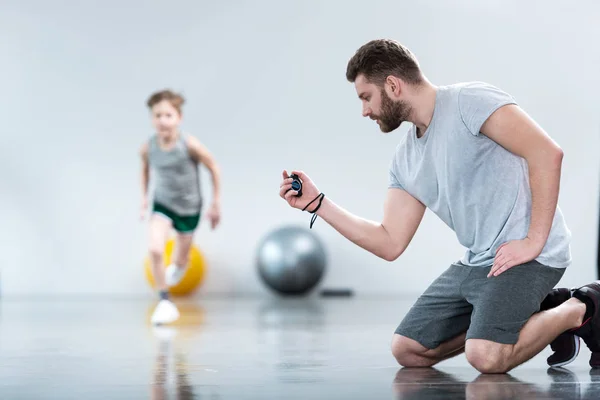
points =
(337, 293)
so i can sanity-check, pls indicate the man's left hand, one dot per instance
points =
(515, 252)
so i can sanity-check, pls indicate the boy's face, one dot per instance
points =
(165, 117)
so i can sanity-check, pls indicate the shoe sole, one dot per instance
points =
(165, 322)
(577, 341)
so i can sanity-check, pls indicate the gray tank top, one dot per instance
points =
(176, 176)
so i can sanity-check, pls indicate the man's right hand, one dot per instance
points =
(402, 215)
(309, 191)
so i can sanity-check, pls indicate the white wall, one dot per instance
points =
(266, 90)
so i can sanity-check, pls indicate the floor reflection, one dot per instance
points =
(171, 378)
(293, 332)
(431, 383)
(244, 349)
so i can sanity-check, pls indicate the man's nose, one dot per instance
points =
(366, 111)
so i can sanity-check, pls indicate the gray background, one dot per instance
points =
(265, 89)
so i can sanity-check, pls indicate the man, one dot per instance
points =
(482, 165)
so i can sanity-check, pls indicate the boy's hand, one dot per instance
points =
(214, 215)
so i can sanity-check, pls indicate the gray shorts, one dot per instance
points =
(463, 299)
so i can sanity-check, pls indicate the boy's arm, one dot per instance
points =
(145, 176)
(202, 155)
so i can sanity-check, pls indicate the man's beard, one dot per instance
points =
(393, 113)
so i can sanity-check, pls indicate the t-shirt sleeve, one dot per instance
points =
(477, 101)
(393, 179)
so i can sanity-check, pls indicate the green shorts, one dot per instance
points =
(181, 223)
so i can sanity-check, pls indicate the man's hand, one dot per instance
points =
(518, 133)
(515, 252)
(214, 215)
(309, 191)
(402, 215)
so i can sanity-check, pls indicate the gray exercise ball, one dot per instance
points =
(291, 260)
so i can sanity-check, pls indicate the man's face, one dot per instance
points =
(377, 105)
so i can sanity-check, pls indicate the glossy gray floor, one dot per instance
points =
(243, 349)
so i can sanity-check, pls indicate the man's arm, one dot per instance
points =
(513, 129)
(201, 154)
(388, 239)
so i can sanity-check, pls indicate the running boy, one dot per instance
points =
(174, 157)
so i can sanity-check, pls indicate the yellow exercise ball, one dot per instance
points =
(194, 273)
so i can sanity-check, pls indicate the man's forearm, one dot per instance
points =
(369, 235)
(544, 180)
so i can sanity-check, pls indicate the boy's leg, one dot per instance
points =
(185, 227)
(183, 244)
(506, 328)
(434, 329)
(176, 271)
(160, 225)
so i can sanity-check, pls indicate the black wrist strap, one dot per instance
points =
(314, 217)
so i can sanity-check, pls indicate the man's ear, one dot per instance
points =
(395, 85)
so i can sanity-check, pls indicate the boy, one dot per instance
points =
(177, 200)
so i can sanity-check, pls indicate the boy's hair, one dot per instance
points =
(379, 58)
(175, 99)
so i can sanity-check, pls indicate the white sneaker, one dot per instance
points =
(174, 274)
(165, 313)
(164, 333)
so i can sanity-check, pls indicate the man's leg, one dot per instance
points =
(434, 329)
(410, 353)
(539, 331)
(589, 331)
(506, 328)
(566, 346)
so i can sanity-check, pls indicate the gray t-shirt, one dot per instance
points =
(478, 188)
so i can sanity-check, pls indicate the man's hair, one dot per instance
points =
(175, 99)
(380, 58)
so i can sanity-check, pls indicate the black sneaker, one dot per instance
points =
(566, 346)
(589, 331)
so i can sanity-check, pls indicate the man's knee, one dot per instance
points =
(408, 352)
(488, 357)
